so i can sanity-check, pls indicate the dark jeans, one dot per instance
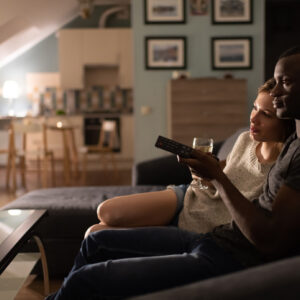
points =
(113, 264)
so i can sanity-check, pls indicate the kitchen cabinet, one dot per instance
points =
(100, 47)
(71, 59)
(79, 48)
(207, 107)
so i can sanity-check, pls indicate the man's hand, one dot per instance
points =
(203, 165)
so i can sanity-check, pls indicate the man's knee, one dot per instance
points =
(78, 284)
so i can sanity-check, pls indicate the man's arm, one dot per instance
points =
(274, 233)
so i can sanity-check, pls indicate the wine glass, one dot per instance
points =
(205, 145)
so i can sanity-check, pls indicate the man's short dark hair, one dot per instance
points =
(291, 51)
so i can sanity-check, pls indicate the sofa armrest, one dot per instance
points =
(161, 171)
(276, 280)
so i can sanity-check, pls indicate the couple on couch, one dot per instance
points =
(126, 262)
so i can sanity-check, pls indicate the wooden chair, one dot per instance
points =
(21, 132)
(66, 131)
(10, 165)
(105, 148)
(5, 135)
(6, 152)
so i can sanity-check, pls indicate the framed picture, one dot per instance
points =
(165, 53)
(164, 11)
(232, 11)
(231, 53)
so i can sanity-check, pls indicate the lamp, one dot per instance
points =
(10, 91)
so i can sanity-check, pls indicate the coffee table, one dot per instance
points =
(16, 228)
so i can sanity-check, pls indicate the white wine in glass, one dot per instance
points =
(205, 145)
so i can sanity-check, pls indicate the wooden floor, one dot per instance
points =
(33, 287)
(94, 178)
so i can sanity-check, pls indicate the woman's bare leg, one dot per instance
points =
(136, 210)
(144, 209)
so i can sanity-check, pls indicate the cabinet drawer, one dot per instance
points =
(206, 107)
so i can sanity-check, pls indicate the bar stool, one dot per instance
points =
(104, 148)
(70, 155)
(40, 153)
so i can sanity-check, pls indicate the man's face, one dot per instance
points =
(286, 93)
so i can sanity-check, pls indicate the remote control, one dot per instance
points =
(173, 147)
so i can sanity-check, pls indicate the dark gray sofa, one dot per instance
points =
(71, 210)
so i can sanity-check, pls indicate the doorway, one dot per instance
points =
(282, 30)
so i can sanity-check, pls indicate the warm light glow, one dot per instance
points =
(10, 90)
(14, 212)
(59, 124)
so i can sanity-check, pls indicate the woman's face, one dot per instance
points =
(264, 124)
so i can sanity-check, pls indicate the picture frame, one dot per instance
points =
(165, 11)
(165, 53)
(229, 53)
(232, 11)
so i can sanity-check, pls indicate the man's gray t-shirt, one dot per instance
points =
(285, 171)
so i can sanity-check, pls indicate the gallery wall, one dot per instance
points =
(151, 85)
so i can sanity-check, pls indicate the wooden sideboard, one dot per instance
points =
(207, 107)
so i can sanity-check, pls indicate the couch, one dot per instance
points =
(71, 210)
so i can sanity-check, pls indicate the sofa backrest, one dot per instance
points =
(166, 170)
(161, 171)
(228, 143)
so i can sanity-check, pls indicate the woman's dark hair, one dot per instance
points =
(289, 124)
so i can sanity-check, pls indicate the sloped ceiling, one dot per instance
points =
(24, 23)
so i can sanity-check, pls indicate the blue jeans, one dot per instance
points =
(113, 264)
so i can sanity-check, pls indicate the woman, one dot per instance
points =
(199, 210)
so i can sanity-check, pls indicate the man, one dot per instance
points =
(122, 263)
(272, 231)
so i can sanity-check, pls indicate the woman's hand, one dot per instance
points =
(203, 165)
